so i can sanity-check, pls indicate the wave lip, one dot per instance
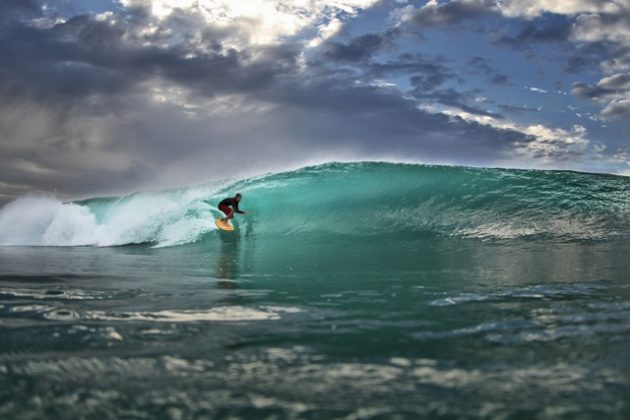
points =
(357, 200)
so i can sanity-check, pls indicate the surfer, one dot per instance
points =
(229, 206)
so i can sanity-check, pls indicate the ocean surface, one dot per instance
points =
(349, 290)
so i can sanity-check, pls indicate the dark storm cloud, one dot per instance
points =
(428, 74)
(559, 151)
(451, 12)
(427, 82)
(551, 28)
(361, 47)
(85, 56)
(449, 97)
(484, 67)
(430, 66)
(554, 30)
(593, 92)
(376, 117)
(607, 88)
(431, 75)
(499, 79)
(587, 56)
(69, 117)
(12, 10)
(516, 109)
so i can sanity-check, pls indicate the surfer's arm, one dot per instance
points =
(236, 209)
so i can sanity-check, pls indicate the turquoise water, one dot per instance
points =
(355, 290)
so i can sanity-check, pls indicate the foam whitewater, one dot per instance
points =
(360, 199)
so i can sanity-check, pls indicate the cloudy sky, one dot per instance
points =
(109, 96)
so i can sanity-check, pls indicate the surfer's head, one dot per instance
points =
(237, 197)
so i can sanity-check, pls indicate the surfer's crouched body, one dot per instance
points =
(229, 206)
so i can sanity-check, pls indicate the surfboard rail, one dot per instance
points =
(224, 225)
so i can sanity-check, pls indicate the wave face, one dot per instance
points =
(355, 200)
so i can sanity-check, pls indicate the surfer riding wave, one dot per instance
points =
(229, 206)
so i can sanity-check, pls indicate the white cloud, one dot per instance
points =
(617, 81)
(613, 91)
(595, 28)
(535, 89)
(527, 9)
(262, 22)
(325, 31)
(534, 8)
(616, 31)
(550, 144)
(616, 108)
(200, 107)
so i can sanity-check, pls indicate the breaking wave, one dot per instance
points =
(361, 199)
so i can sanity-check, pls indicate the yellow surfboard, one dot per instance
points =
(224, 225)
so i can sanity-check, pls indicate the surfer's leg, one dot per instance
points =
(227, 211)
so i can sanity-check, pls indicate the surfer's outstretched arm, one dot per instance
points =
(236, 209)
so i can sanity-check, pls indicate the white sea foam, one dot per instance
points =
(224, 313)
(217, 314)
(46, 221)
(164, 219)
(54, 294)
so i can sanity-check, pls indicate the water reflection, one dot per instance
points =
(228, 261)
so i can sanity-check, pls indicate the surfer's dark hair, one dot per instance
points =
(238, 195)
